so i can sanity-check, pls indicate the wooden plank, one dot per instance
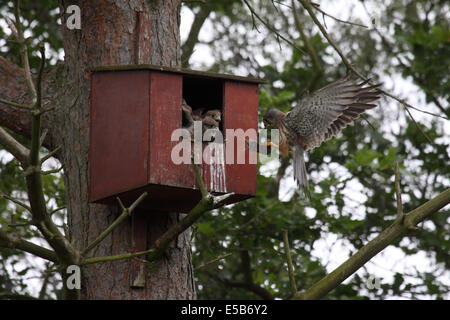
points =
(240, 112)
(118, 132)
(175, 70)
(165, 117)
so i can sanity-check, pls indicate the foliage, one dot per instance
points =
(363, 157)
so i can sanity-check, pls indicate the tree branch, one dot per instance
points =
(207, 203)
(50, 154)
(317, 7)
(199, 180)
(7, 240)
(15, 105)
(272, 29)
(24, 53)
(203, 265)
(289, 262)
(15, 296)
(367, 252)
(18, 202)
(20, 152)
(307, 43)
(188, 46)
(126, 212)
(398, 193)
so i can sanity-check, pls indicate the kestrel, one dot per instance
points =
(210, 119)
(319, 116)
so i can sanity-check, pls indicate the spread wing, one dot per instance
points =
(321, 115)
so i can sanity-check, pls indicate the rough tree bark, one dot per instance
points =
(113, 32)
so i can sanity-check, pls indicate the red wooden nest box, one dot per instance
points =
(135, 109)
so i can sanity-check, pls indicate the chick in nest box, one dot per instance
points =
(210, 119)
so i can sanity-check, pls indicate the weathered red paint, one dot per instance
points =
(118, 133)
(241, 111)
(165, 117)
(133, 114)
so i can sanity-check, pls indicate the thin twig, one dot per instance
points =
(257, 216)
(199, 180)
(398, 193)
(50, 154)
(24, 53)
(289, 263)
(117, 257)
(268, 26)
(19, 151)
(46, 172)
(56, 210)
(39, 78)
(43, 291)
(306, 42)
(13, 242)
(16, 201)
(368, 122)
(16, 105)
(306, 4)
(125, 213)
(316, 6)
(282, 4)
(15, 225)
(417, 125)
(213, 261)
(43, 136)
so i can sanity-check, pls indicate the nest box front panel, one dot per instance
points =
(241, 112)
(165, 117)
(119, 132)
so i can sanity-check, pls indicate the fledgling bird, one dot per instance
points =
(210, 120)
(200, 113)
(216, 114)
(187, 119)
(319, 116)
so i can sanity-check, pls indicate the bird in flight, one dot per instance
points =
(318, 117)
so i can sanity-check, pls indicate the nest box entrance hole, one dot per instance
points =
(203, 93)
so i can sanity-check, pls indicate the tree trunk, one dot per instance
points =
(115, 32)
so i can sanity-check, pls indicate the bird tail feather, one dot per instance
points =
(300, 174)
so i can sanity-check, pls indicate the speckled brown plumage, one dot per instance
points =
(320, 116)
